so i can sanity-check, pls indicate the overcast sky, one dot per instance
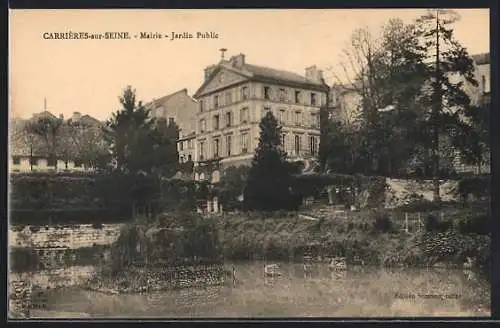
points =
(89, 75)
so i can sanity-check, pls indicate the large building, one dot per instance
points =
(232, 100)
(182, 109)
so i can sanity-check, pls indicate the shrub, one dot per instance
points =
(23, 259)
(382, 223)
(478, 186)
(479, 225)
(34, 228)
(433, 224)
(421, 205)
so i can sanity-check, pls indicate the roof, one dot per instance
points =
(262, 73)
(482, 59)
(278, 75)
(167, 97)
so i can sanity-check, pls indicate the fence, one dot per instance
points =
(414, 222)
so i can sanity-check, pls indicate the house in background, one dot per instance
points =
(180, 108)
(346, 105)
(26, 151)
(232, 100)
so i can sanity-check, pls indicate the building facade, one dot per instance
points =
(233, 99)
(182, 109)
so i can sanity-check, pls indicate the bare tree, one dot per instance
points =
(49, 131)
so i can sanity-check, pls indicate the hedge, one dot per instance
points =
(80, 197)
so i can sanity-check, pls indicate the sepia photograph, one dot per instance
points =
(249, 163)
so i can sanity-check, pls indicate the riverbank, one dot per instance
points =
(369, 237)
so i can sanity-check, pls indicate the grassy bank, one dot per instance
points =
(373, 237)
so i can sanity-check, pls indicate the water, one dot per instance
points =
(357, 292)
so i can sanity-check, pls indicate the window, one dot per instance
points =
(297, 97)
(203, 126)
(283, 139)
(190, 158)
(313, 144)
(216, 122)
(244, 93)
(283, 95)
(244, 115)
(229, 99)
(297, 144)
(297, 118)
(267, 93)
(229, 144)
(16, 160)
(483, 84)
(229, 119)
(314, 120)
(181, 145)
(216, 148)
(202, 150)
(216, 101)
(244, 142)
(313, 98)
(281, 116)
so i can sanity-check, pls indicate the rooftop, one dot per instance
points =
(482, 59)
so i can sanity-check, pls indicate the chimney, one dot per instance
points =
(209, 71)
(314, 74)
(76, 116)
(238, 60)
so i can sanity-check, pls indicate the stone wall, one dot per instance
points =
(74, 236)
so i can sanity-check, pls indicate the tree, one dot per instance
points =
(446, 98)
(86, 142)
(382, 71)
(269, 180)
(166, 156)
(49, 130)
(138, 143)
(232, 185)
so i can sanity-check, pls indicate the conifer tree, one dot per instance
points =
(269, 178)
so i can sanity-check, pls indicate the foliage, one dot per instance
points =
(232, 186)
(268, 182)
(478, 186)
(382, 223)
(433, 224)
(138, 143)
(49, 130)
(176, 238)
(481, 225)
(65, 197)
(398, 71)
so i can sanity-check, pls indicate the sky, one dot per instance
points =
(88, 76)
